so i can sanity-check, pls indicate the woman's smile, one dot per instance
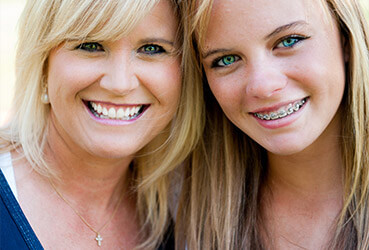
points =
(118, 112)
(117, 95)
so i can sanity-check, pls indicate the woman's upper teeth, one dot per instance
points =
(116, 112)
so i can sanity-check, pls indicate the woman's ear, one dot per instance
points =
(346, 48)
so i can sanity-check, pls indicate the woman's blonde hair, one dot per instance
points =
(220, 202)
(44, 25)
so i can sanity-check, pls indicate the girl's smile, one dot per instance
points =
(279, 77)
(280, 115)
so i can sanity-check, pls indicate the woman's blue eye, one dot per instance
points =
(225, 61)
(91, 47)
(151, 49)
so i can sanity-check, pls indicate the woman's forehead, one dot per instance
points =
(99, 19)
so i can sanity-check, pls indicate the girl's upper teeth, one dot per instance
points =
(282, 112)
(124, 113)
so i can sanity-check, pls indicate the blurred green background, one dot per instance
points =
(9, 14)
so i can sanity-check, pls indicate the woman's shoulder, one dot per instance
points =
(6, 167)
(5, 160)
(17, 233)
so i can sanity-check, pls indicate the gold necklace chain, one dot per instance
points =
(98, 236)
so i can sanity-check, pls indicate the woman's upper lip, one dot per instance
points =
(116, 104)
(275, 107)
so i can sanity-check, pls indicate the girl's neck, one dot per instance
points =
(302, 195)
(316, 170)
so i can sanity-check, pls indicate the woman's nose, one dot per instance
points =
(120, 77)
(264, 79)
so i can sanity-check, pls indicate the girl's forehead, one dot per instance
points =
(262, 16)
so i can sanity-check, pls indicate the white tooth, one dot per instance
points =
(282, 113)
(289, 109)
(112, 113)
(105, 111)
(273, 116)
(99, 109)
(120, 113)
(132, 111)
(137, 109)
(296, 107)
(266, 117)
(128, 110)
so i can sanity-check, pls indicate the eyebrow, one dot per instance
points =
(216, 51)
(157, 40)
(273, 33)
(286, 27)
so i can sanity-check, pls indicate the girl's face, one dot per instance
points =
(277, 70)
(111, 98)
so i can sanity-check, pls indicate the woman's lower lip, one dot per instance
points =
(282, 122)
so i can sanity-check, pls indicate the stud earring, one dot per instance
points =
(45, 96)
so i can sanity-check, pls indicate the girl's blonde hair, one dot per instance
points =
(44, 25)
(220, 202)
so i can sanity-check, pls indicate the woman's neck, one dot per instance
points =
(85, 178)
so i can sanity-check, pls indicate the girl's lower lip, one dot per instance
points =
(114, 122)
(282, 122)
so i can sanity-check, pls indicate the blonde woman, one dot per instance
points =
(286, 164)
(101, 115)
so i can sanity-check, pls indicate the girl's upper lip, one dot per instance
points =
(275, 107)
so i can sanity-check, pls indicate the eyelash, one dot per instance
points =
(157, 49)
(217, 61)
(145, 49)
(295, 39)
(85, 46)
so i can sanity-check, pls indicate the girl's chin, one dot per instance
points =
(285, 149)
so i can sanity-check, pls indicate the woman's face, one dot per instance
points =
(111, 98)
(277, 70)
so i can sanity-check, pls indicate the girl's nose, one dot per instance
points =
(265, 79)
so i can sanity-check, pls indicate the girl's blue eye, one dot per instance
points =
(225, 61)
(91, 47)
(289, 42)
(151, 49)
